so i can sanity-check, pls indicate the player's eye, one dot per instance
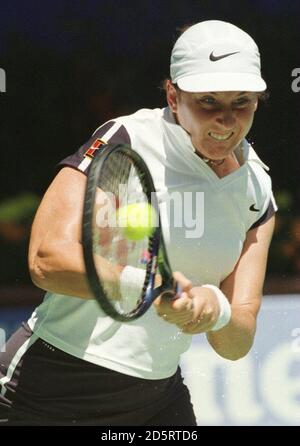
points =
(241, 102)
(207, 101)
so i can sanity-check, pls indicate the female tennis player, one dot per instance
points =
(73, 364)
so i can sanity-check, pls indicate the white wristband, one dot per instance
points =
(225, 308)
(131, 280)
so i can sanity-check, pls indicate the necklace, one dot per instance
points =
(213, 162)
(209, 161)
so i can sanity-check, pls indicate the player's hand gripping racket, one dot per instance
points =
(119, 177)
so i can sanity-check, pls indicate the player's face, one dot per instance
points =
(217, 122)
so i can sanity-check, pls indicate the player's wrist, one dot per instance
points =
(225, 308)
(131, 278)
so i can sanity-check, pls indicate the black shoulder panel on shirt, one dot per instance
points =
(120, 136)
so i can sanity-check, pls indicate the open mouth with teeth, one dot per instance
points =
(219, 137)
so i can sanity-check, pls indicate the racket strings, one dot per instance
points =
(122, 184)
(149, 268)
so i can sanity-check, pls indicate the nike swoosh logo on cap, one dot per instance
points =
(215, 58)
(252, 208)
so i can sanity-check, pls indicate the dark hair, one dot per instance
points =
(264, 96)
(181, 29)
(163, 84)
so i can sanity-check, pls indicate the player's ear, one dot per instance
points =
(172, 96)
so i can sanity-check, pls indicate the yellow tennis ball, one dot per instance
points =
(138, 220)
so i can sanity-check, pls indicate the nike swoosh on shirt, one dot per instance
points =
(252, 208)
(215, 58)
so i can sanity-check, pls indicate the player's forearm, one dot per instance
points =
(236, 338)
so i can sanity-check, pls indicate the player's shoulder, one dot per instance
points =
(142, 117)
(144, 124)
(144, 128)
(260, 184)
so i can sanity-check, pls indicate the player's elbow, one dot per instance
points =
(233, 347)
(39, 270)
(235, 355)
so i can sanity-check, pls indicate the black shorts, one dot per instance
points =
(42, 385)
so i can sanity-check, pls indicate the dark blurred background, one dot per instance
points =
(72, 65)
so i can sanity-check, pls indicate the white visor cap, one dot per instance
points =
(216, 56)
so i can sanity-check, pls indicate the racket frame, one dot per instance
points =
(158, 254)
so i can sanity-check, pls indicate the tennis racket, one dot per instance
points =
(118, 176)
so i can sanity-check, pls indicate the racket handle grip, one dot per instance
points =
(173, 294)
(178, 291)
